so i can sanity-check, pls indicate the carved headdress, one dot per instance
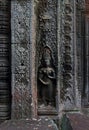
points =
(47, 57)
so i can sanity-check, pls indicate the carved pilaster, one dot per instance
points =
(21, 40)
(67, 92)
(80, 41)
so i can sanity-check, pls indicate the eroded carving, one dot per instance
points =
(47, 52)
(46, 79)
(21, 30)
(67, 91)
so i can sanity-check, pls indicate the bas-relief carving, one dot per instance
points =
(47, 41)
(81, 4)
(21, 18)
(47, 34)
(46, 79)
(47, 52)
(67, 90)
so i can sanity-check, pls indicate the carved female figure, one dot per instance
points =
(46, 78)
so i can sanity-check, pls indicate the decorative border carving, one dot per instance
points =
(22, 91)
(67, 92)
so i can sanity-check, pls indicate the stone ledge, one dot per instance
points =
(29, 124)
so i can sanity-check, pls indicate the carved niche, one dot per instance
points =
(46, 79)
(46, 54)
(5, 79)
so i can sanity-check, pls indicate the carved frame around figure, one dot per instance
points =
(67, 91)
(47, 39)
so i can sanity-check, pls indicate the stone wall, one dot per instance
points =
(69, 89)
(35, 25)
(5, 54)
(23, 51)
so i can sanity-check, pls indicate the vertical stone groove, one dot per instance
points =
(5, 88)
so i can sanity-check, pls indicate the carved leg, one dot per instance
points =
(44, 95)
(50, 94)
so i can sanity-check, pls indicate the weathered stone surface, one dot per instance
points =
(79, 121)
(54, 27)
(80, 6)
(5, 45)
(65, 123)
(85, 92)
(46, 52)
(21, 14)
(32, 124)
(67, 91)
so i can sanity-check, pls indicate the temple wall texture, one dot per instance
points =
(21, 26)
(40, 29)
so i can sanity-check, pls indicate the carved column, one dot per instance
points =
(85, 92)
(71, 58)
(68, 89)
(80, 41)
(5, 43)
(23, 51)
